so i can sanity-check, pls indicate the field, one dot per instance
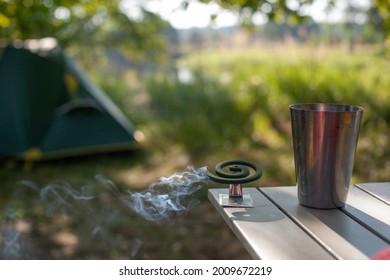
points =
(232, 104)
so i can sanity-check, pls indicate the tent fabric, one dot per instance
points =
(50, 109)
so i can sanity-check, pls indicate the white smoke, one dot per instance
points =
(61, 194)
(95, 205)
(167, 196)
(10, 237)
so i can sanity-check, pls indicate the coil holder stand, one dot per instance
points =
(238, 174)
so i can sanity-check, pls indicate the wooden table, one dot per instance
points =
(278, 227)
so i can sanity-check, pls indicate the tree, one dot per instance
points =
(105, 21)
(383, 7)
(275, 10)
(294, 10)
(83, 22)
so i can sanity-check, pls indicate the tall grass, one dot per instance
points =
(237, 103)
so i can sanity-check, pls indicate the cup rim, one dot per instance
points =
(326, 107)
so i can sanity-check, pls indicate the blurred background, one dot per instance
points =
(198, 82)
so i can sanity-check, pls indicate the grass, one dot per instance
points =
(236, 106)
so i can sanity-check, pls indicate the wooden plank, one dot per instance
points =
(266, 232)
(336, 231)
(379, 190)
(369, 211)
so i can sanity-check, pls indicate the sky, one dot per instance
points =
(198, 14)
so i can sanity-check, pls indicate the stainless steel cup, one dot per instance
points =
(324, 141)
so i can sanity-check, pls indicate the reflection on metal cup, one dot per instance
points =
(324, 141)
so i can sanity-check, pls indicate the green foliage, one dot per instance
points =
(78, 23)
(294, 12)
(240, 99)
(383, 7)
(196, 114)
(107, 23)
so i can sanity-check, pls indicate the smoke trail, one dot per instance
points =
(10, 239)
(13, 234)
(135, 246)
(94, 208)
(61, 194)
(164, 197)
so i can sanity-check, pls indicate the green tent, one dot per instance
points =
(49, 109)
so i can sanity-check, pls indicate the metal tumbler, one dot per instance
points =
(324, 142)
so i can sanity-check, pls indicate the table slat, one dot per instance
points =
(369, 211)
(336, 231)
(266, 232)
(379, 190)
